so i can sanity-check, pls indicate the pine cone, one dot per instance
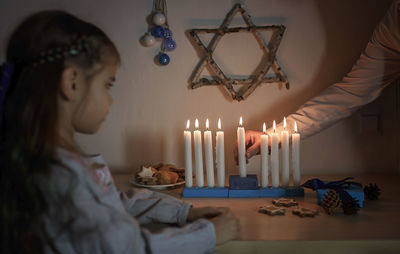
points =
(331, 202)
(372, 191)
(350, 206)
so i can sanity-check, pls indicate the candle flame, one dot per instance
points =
(207, 124)
(284, 122)
(274, 126)
(264, 128)
(196, 123)
(241, 122)
(219, 123)
(187, 124)
(295, 126)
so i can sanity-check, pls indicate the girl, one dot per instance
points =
(56, 82)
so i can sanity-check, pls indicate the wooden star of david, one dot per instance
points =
(268, 61)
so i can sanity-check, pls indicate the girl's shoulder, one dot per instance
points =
(83, 164)
(87, 170)
(70, 172)
(99, 170)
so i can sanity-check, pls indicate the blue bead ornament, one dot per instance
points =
(163, 59)
(167, 33)
(158, 32)
(169, 44)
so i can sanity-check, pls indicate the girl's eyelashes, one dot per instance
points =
(109, 85)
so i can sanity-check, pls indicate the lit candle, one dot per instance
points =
(209, 155)
(264, 158)
(274, 157)
(188, 155)
(296, 156)
(220, 154)
(285, 155)
(241, 149)
(198, 156)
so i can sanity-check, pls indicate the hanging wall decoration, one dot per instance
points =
(267, 63)
(159, 30)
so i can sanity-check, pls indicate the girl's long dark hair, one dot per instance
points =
(28, 131)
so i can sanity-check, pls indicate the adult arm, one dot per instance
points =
(377, 67)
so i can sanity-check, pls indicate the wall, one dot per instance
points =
(152, 103)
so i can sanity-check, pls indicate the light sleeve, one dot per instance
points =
(197, 238)
(81, 220)
(84, 219)
(145, 205)
(149, 206)
(377, 67)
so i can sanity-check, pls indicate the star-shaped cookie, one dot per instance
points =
(146, 172)
(272, 210)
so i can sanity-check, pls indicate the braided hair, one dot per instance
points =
(39, 50)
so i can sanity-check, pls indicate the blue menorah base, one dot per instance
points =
(281, 192)
(205, 192)
(244, 193)
(236, 182)
(243, 187)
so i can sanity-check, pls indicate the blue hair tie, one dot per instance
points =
(6, 74)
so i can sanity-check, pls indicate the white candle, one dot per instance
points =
(198, 156)
(208, 149)
(274, 157)
(188, 156)
(296, 156)
(285, 155)
(220, 156)
(264, 158)
(241, 149)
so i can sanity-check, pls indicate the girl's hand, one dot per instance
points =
(253, 142)
(203, 212)
(226, 226)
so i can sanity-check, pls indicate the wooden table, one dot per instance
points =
(375, 229)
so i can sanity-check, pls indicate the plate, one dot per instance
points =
(156, 186)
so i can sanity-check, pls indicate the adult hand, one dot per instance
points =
(226, 226)
(203, 212)
(252, 141)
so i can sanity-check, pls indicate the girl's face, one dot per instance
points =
(96, 100)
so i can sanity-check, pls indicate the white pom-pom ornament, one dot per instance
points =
(148, 40)
(159, 19)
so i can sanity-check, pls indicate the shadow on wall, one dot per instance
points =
(341, 54)
(337, 59)
(144, 147)
(378, 136)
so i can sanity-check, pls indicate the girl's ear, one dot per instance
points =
(68, 83)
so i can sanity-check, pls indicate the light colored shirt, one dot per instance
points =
(377, 67)
(102, 220)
